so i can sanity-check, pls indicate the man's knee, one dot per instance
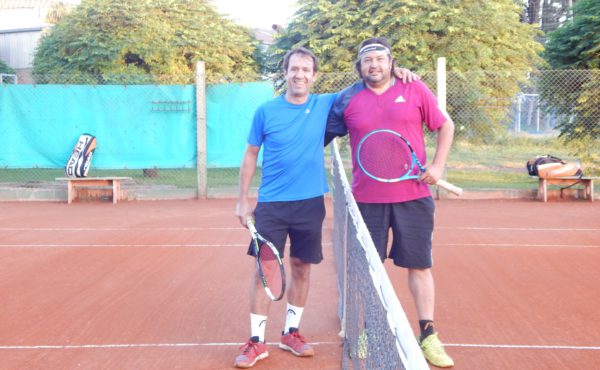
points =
(300, 269)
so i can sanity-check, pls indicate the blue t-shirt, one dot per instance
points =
(292, 140)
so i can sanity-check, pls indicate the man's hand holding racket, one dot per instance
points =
(385, 155)
(433, 173)
(243, 210)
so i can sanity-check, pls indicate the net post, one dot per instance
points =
(201, 130)
(441, 97)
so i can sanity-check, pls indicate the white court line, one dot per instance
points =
(523, 346)
(121, 245)
(241, 228)
(515, 228)
(142, 345)
(225, 344)
(127, 245)
(513, 245)
(116, 228)
(327, 244)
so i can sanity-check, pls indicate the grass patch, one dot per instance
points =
(470, 165)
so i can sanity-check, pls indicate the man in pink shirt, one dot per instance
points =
(380, 101)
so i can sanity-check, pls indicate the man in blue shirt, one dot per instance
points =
(291, 130)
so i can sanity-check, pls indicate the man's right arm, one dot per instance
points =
(243, 208)
(336, 126)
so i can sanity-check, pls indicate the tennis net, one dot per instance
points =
(375, 329)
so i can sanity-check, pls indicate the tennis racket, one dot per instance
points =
(269, 263)
(386, 156)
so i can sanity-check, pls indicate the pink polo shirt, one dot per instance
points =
(404, 108)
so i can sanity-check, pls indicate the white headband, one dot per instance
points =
(373, 47)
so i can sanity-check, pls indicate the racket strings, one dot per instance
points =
(385, 156)
(269, 264)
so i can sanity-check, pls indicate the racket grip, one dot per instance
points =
(448, 186)
(250, 224)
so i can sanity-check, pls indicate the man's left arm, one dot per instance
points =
(445, 136)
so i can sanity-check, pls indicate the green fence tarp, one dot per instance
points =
(137, 126)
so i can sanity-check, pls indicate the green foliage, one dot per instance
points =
(576, 45)
(4, 68)
(133, 41)
(57, 11)
(472, 35)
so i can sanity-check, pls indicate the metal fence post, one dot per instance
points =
(441, 96)
(201, 130)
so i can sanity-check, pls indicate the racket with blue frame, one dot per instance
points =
(386, 156)
(269, 264)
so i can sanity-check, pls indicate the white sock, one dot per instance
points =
(258, 324)
(292, 317)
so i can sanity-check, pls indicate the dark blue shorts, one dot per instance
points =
(412, 228)
(301, 220)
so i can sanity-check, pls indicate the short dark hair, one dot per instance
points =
(303, 51)
(374, 40)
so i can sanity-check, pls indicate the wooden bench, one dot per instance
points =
(566, 182)
(74, 183)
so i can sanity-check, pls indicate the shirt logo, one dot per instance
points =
(307, 111)
(400, 99)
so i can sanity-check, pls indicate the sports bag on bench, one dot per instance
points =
(548, 166)
(81, 158)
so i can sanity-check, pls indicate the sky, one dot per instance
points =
(257, 13)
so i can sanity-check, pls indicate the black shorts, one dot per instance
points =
(412, 228)
(302, 220)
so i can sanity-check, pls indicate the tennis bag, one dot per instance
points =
(548, 166)
(81, 158)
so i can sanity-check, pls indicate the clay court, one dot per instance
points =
(164, 285)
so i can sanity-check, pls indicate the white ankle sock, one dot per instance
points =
(258, 324)
(292, 317)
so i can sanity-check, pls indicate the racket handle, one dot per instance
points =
(448, 186)
(250, 224)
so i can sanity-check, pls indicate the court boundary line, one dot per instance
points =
(128, 245)
(517, 228)
(237, 245)
(229, 344)
(75, 229)
(142, 345)
(523, 346)
(513, 245)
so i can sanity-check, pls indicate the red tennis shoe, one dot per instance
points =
(253, 351)
(296, 343)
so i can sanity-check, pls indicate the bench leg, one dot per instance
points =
(70, 192)
(116, 190)
(542, 190)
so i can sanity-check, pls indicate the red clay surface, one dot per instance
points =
(164, 285)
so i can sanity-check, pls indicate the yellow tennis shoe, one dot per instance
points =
(433, 350)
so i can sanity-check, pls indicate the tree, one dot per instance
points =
(129, 41)
(4, 68)
(473, 36)
(576, 45)
(575, 48)
(547, 14)
(57, 11)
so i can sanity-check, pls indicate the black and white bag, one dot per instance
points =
(548, 166)
(81, 158)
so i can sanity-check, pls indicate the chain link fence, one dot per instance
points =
(138, 113)
(502, 119)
